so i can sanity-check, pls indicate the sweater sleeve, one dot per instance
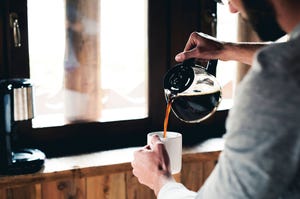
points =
(175, 191)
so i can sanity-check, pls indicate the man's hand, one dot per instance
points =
(151, 165)
(202, 47)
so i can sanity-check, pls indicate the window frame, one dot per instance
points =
(169, 25)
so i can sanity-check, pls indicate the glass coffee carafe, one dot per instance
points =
(194, 93)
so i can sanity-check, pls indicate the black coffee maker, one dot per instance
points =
(16, 106)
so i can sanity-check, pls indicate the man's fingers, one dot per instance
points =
(155, 140)
(192, 42)
(186, 55)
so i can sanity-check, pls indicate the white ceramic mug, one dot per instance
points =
(173, 144)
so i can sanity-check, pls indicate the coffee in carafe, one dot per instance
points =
(192, 92)
(195, 107)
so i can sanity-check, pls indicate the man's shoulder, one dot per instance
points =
(281, 57)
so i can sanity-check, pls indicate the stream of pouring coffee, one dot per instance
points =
(168, 109)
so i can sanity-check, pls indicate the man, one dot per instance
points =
(261, 157)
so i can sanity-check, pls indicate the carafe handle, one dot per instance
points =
(189, 62)
(211, 67)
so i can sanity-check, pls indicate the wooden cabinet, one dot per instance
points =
(104, 175)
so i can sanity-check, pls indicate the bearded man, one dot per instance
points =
(261, 156)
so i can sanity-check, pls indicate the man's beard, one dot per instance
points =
(261, 16)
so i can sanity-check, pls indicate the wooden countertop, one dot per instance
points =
(104, 162)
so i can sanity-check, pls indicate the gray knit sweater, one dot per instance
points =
(261, 158)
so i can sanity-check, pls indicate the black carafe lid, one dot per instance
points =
(180, 77)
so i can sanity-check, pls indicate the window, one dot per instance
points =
(156, 31)
(106, 80)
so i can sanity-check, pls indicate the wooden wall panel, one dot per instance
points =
(136, 190)
(95, 187)
(208, 168)
(194, 174)
(117, 186)
(3, 194)
(107, 186)
(64, 189)
(38, 191)
(25, 192)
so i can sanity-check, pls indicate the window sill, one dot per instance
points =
(103, 163)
